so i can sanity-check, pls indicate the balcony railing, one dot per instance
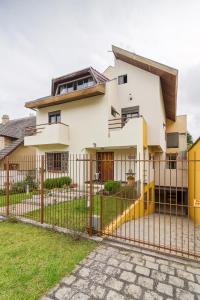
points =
(119, 123)
(47, 133)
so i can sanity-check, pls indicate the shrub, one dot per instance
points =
(2, 192)
(112, 186)
(21, 186)
(52, 183)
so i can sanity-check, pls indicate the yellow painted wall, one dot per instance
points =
(145, 134)
(180, 125)
(194, 181)
(136, 210)
(23, 156)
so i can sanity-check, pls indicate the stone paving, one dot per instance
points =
(172, 231)
(115, 273)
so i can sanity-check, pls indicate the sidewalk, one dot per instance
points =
(115, 273)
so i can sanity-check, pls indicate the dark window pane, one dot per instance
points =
(173, 140)
(122, 79)
(54, 117)
(171, 161)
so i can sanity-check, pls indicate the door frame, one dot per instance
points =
(103, 162)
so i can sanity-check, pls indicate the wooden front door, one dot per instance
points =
(105, 165)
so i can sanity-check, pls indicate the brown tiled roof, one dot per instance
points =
(10, 148)
(15, 129)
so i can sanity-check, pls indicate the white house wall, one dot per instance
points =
(146, 92)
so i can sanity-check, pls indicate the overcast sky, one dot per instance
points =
(42, 39)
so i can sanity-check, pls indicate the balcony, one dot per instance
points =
(129, 132)
(47, 134)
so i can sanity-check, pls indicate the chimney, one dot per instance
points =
(5, 119)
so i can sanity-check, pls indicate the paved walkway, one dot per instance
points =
(114, 273)
(171, 231)
(34, 203)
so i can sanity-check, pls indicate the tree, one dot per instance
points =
(189, 140)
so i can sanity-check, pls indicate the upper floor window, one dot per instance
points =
(122, 79)
(54, 117)
(75, 85)
(173, 140)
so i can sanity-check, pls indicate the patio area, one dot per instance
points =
(169, 231)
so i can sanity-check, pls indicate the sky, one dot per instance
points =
(43, 39)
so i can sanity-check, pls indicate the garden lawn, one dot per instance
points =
(34, 259)
(75, 214)
(14, 198)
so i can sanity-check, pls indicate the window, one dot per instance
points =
(54, 117)
(12, 167)
(75, 85)
(173, 140)
(122, 79)
(171, 161)
(114, 113)
(57, 161)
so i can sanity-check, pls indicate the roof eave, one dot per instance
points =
(168, 77)
(98, 89)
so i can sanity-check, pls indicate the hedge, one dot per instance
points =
(51, 183)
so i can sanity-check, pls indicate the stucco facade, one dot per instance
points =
(84, 123)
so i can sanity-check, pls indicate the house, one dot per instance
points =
(127, 113)
(12, 134)
(193, 182)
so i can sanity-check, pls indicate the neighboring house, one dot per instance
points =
(129, 111)
(12, 134)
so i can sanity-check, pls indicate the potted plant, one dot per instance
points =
(131, 180)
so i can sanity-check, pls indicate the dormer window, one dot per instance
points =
(75, 85)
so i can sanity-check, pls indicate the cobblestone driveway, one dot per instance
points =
(114, 273)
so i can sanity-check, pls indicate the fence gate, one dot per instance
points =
(150, 203)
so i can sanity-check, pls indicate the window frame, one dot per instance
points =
(88, 81)
(56, 114)
(59, 166)
(124, 77)
(171, 164)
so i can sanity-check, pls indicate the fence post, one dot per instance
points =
(7, 187)
(42, 189)
(91, 196)
(101, 212)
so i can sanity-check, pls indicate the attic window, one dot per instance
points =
(75, 85)
(122, 79)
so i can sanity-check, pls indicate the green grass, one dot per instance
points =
(75, 214)
(34, 259)
(14, 198)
